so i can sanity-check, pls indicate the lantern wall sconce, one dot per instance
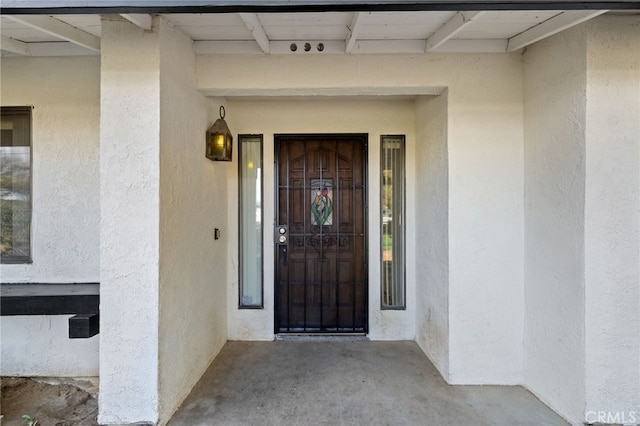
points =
(219, 140)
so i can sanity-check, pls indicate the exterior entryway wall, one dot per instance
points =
(65, 229)
(163, 273)
(475, 315)
(582, 191)
(475, 330)
(331, 115)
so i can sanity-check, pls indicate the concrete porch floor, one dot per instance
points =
(346, 382)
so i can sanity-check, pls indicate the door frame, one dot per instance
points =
(364, 137)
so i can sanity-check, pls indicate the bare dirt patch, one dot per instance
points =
(51, 402)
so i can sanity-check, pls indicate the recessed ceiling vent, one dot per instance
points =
(306, 47)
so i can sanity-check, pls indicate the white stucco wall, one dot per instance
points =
(612, 225)
(65, 233)
(486, 231)
(342, 115)
(582, 275)
(541, 290)
(130, 208)
(555, 80)
(65, 94)
(432, 231)
(193, 201)
(39, 345)
(163, 285)
(485, 151)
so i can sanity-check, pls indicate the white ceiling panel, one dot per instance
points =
(499, 27)
(372, 32)
(27, 35)
(193, 19)
(396, 32)
(6, 23)
(201, 32)
(59, 49)
(406, 18)
(80, 21)
(88, 23)
(305, 19)
(484, 35)
(310, 32)
(525, 16)
(492, 31)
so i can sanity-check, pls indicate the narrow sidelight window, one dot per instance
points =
(250, 154)
(15, 184)
(393, 235)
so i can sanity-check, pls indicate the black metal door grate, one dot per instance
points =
(321, 271)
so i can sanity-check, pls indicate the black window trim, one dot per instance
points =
(15, 110)
(241, 305)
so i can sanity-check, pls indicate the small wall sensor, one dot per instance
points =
(216, 234)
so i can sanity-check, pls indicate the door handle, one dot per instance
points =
(283, 252)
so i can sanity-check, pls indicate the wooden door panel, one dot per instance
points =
(320, 272)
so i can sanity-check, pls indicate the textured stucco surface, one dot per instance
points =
(540, 289)
(432, 231)
(193, 201)
(164, 295)
(39, 345)
(485, 151)
(485, 157)
(582, 109)
(65, 94)
(555, 78)
(612, 226)
(375, 117)
(65, 231)
(130, 201)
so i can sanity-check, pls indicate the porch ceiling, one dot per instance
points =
(325, 32)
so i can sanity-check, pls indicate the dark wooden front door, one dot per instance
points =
(321, 244)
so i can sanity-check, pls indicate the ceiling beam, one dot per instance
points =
(354, 30)
(336, 47)
(142, 20)
(58, 29)
(551, 26)
(14, 46)
(376, 92)
(255, 26)
(452, 27)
